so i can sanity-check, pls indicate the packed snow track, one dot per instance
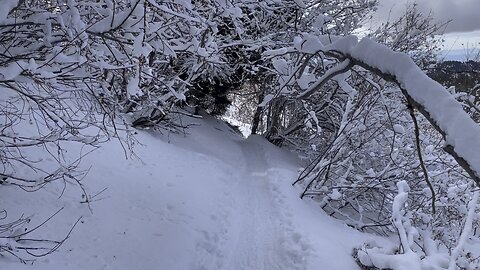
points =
(206, 200)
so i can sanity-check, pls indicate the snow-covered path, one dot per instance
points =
(210, 200)
(264, 237)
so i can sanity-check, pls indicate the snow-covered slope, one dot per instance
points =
(207, 200)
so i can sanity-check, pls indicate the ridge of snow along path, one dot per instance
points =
(208, 200)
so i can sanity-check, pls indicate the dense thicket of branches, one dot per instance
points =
(71, 71)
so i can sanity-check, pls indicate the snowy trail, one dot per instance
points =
(208, 201)
(265, 238)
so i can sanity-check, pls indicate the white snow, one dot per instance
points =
(266, 100)
(384, 258)
(7, 6)
(11, 71)
(461, 131)
(314, 87)
(465, 232)
(300, 3)
(307, 43)
(370, 172)
(281, 66)
(132, 86)
(399, 128)
(208, 200)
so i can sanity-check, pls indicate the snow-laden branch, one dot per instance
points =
(329, 74)
(461, 133)
(384, 259)
(467, 229)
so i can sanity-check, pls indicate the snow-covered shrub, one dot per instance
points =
(412, 33)
(47, 105)
(75, 68)
(46, 96)
(360, 134)
(417, 248)
(71, 68)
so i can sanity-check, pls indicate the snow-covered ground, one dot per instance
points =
(208, 200)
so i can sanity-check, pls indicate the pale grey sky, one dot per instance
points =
(462, 33)
(464, 14)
